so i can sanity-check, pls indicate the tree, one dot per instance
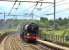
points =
(43, 19)
(60, 19)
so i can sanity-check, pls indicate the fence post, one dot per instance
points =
(56, 38)
(64, 39)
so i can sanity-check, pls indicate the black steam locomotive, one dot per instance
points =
(30, 32)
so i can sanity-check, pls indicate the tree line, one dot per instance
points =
(58, 22)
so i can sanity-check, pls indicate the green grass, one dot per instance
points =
(7, 30)
(60, 33)
(57, 32)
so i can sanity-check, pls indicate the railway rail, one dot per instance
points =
(53, 45)
(13, 42)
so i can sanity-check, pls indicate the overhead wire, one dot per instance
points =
(58, 11)
(35, 8)
(52, 13)
(12, 7)
(25, 1)
(57, 4)
(45, 14)
(18, 6)
(37, 4)
(32, 1)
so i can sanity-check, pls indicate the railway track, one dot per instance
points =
(13, 42)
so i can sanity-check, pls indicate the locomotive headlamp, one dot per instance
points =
(28, 34)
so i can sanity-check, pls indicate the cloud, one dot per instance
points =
(62, 7)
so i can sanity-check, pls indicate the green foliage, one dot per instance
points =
(43, 22)
(43, 19)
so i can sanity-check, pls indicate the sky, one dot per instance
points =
(26, 9)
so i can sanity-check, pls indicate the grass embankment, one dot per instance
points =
(59, 36)
(4, 33)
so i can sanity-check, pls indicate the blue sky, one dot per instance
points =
(25, 9)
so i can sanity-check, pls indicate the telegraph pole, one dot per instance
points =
(31, 14)
(54, 14)
(4, 16)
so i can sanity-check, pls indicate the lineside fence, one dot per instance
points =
(55, 38)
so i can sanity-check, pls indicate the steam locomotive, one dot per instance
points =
(30, 32)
